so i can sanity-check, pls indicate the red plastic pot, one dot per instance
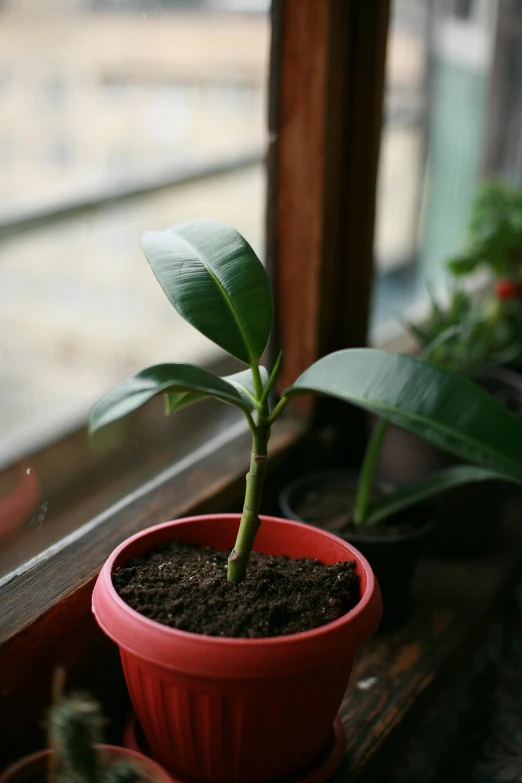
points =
(34, 767)
(248, 710)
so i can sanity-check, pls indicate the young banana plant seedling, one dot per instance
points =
(215, 281)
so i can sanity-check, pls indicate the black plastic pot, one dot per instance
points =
(392, 557)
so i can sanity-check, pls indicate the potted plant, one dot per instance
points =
(464, 506)
(236, 678)
(481, 338)
(495, 246)
(76, 754)
(456, 337)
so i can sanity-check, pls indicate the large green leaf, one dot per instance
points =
(433, 485)
(242, 381)
(439, 406)
(178, 378)
(216, 282)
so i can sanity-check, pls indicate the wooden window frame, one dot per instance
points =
(326, 95)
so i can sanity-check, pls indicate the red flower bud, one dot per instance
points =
(507, 289)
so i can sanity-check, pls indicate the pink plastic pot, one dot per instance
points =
(34, 767)
(236, 710)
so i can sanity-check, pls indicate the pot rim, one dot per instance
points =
(344, 476)
(223, 641)
(160, 774)
(228, 656)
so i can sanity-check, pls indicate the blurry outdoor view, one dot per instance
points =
(99, 98)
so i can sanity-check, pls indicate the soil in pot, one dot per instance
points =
(333, 510)
(327, 501)
(185, 587)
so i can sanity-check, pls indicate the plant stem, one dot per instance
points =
(279, 408)
(273, 377)
(258, 384)
(367, 473)
(239, 557)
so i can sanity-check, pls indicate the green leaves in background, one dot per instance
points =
(215, 281)
(437, 405)
(465, 264)
(495, 231)
(184, 383)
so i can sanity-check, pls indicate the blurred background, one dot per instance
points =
(164, 101)
(118, 116)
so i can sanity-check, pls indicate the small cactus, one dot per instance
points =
(75, 733)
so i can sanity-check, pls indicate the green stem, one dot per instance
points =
(279, 408)
(249, 525)
(273, 377)
(367, 473)
(258, 384)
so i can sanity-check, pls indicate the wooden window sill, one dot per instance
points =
(454, 603)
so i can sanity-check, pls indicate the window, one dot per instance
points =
(452, 118)
(116, 117)
(79, 503)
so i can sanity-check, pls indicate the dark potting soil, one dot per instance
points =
(185, 586)
(332, 509)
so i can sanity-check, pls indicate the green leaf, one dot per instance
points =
(242, 381)
(176, 400)
(464, 265)
(438, 405)
(178, 378)
(436, 483)
(215, 281)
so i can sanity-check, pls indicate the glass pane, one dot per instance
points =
(452, 118)
(115, 117)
